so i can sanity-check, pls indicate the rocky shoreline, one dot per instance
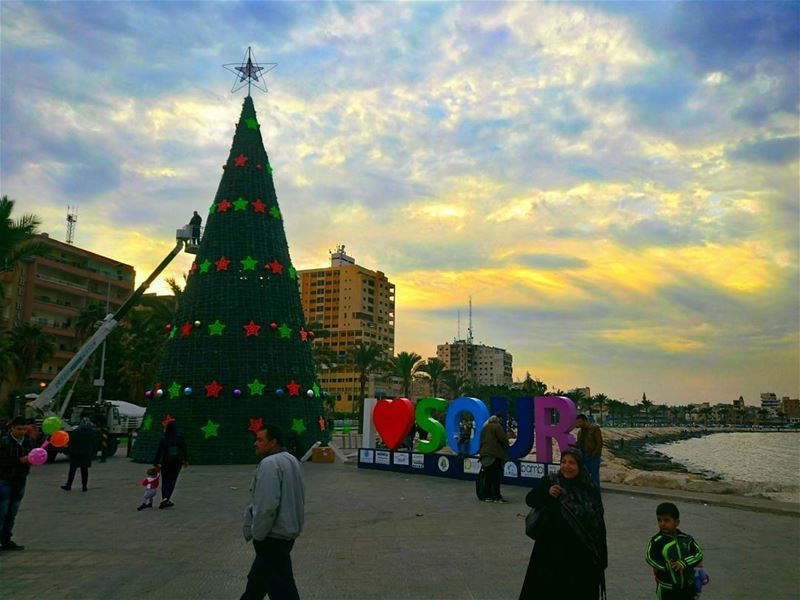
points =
(627, 461)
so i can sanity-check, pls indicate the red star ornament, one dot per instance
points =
(222, 264)
(167, 420)
(321, 422)
(275, 267)
(224, 206)
(186, 329)
(303, 334)
(259, 206)
(256, 424)
(194, 268)
(213, 389)
(251, 329)
(240, 160)
(293, 387)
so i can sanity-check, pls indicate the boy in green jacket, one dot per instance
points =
(673, 555)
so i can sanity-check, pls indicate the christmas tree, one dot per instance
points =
(238, 353)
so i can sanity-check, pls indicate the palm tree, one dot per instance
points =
(601, 399)
(176, 289)
(404, 366)
(7, 363)
(365, 358)
(455, 382)
(433, 370)
(87, 321)
(16, 236)
(30, 346)
(534, 386)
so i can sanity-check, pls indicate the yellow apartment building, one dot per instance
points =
(353, 304)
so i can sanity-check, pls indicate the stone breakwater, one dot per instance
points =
(626, 460)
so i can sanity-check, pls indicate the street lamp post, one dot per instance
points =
(101, 381)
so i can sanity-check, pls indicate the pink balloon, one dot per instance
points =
(37, 456)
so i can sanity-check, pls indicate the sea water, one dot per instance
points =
(758, 457)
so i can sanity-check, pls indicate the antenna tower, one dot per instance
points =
(72, 218)
(469, 330)
(459, 324)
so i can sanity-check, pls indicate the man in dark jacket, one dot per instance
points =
(590, 442)
(81, 450)
(196, 221)
(14, 468)
(494, 454)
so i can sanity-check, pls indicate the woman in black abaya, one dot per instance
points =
(569, 557)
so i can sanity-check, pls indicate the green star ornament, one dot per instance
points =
(240, 204)
(249, 263)
(204, 266)
(285, 330)
(147, 423)
(298, 426)
(212, 209)
(210, 429)
(292, 272)
(252, 123)
(275, 212)
(174, 390)
(256, 387)
(172, 332)
(269, 169)
(216, 328)
(315, 387)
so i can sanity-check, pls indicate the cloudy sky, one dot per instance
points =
(614, 184)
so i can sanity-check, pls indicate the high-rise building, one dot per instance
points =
(769, 400)
(52, 289)
(352, 304)
(483, 365)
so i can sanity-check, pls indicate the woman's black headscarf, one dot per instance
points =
(581, 507)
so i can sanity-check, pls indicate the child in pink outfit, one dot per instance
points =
(150, 484)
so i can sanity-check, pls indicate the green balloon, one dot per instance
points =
(436, 434)
(50, 425)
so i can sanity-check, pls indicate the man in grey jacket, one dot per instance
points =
(274, 518)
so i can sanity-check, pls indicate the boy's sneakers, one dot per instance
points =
(143, 506)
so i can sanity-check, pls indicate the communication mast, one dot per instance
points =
(72, 219)
(469, 329)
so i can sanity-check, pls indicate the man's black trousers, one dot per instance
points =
(271, 573)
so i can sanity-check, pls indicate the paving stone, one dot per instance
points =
(368, 534)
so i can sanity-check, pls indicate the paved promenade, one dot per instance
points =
(368, 535)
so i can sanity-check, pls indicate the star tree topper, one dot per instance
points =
(249, 72)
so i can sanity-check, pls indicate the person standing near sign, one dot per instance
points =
(590, 442)
(494, 454)
(274, 518)
(570, 556)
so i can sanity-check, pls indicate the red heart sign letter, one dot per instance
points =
(393, 420)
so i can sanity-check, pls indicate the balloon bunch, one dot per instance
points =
(50, 426)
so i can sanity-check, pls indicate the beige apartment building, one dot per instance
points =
(51, 290)
(353, 304)
(484, 365)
